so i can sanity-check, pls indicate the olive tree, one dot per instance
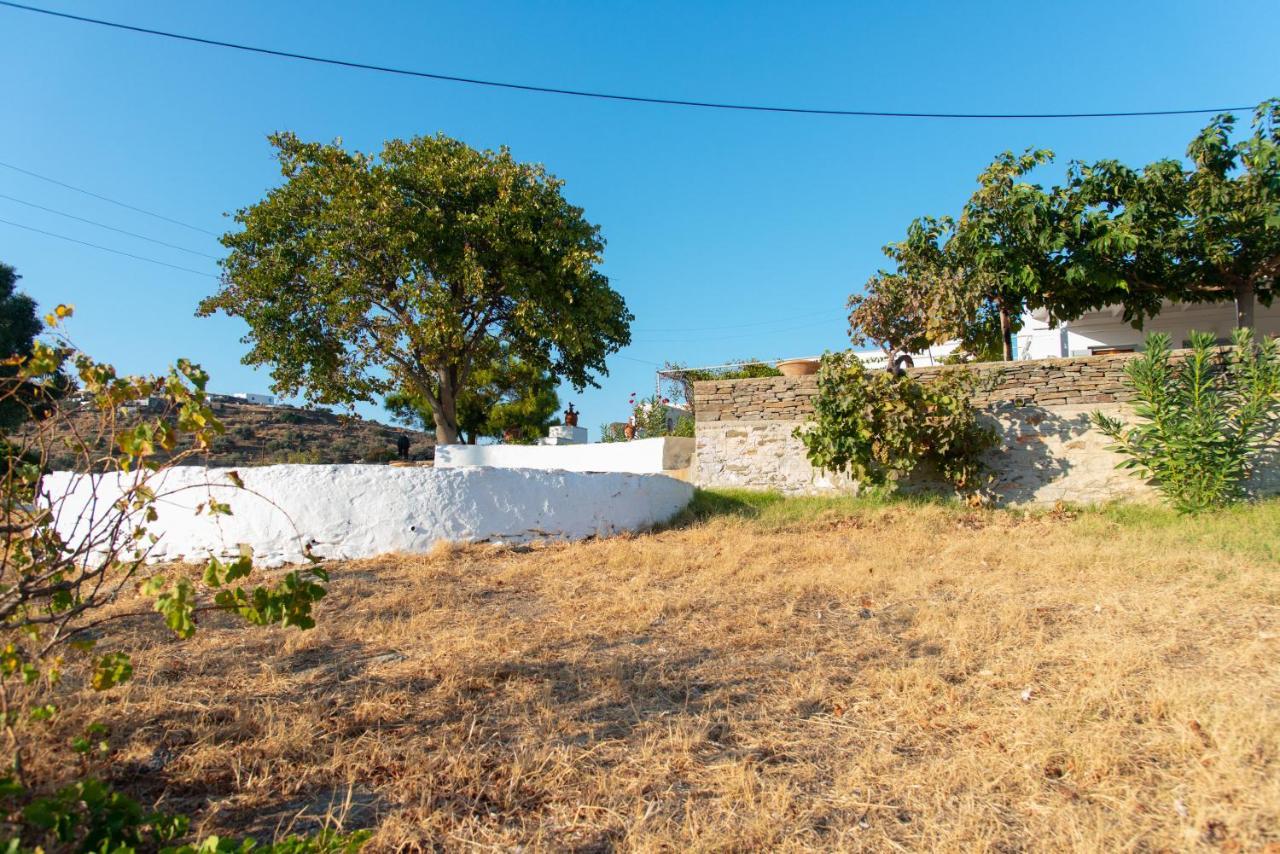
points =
(363, 275)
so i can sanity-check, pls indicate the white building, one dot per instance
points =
(1106, 330)
(259, 399)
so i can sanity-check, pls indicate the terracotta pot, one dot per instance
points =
(629, 431)
(798, 367)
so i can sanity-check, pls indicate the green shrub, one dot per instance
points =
(611, 432)
(378, 454)
(880, 428)
(53, 589)
(684, 427)
(1204, 421)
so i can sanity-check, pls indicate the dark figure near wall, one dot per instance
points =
(402, 446)
(571, 417)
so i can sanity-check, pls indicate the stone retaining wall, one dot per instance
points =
(1049, 450)
(1044, 382)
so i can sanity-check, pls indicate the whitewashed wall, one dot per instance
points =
(352, 511)
(1107, 328)
(643, 456)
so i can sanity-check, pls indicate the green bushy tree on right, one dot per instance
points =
(1204, 421)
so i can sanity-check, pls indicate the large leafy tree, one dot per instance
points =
(506, 397)
(893, 313)
(363, 275)
(1005, 252)
(1206, 233)
(1015, 247)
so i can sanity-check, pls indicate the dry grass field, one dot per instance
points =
(768, 675)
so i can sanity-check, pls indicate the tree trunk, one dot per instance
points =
(446, 433)
(446, 415)
(1244, 304)
(1006, 333)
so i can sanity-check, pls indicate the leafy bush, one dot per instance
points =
(1204, 420)
(378, 454)
(684, 427)
(65, 555)
(611, 432)
(649, 414)
(879, 427)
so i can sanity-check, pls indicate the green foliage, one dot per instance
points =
(89, 815)
(1111, 235)
(972, 278)
(19, 326)
(377, 454)
(505, 397)
(895, 313)
(1204, 421)
(53, 587)
(612, 432)
(650, 414)
(880, 427)
(685, 427)
(362, 276)
(1204, 234)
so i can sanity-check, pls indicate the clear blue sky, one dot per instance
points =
(729, 234)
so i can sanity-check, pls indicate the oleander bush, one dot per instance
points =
(1204, 422)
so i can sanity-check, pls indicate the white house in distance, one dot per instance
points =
(253, 397)
(1106, 330)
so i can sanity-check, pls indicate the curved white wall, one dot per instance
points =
(352, 511)
(645, 456)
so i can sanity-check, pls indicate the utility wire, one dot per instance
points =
(733, 337)
(108, 227)
(106, 198)
(641, 99)
(808, 314)
(108, 249)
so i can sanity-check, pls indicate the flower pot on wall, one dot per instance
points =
(798, 367)
(629, 431)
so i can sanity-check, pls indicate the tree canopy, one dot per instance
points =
(1111, 235)
(361, 276)
(505, 398)
(19, 326)
(1203, 234)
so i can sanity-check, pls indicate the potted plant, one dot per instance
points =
(798, 367)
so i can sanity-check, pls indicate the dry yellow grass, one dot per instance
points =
(855, 677)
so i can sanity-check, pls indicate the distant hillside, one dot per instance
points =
(263, 435)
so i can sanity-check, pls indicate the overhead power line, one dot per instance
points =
(108, 198)
(107, 249)
(640, 99)
(808, 314)
(108, 227)
(732, 337)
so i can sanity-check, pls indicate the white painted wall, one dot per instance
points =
(641, 456)
(1107, 328)
(354, 511)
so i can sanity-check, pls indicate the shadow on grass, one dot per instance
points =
(1248, 529)
(772, 508)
